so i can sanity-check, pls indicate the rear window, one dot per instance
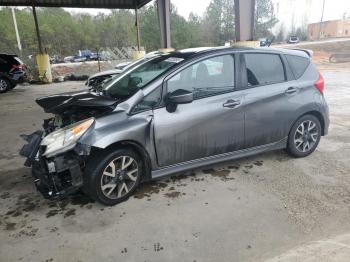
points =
(264, 69)
(298, 64)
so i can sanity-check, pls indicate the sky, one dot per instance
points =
(288, 12)
(184, 7)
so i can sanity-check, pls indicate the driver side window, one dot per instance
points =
(208, 77)
(149, 102)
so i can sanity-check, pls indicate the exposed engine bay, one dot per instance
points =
(69, 108)
(70, 116)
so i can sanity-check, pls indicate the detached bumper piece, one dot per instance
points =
(56, 177)
(31, 149)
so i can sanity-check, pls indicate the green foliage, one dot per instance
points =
(301, 32)
(264, 18)
(64, 33)
(218, 22)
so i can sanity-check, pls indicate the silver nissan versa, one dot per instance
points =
(174, 112)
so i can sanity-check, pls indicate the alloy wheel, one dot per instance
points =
(119, 177)
(306, 135)
(3, 85)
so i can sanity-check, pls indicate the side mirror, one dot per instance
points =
(180, 96)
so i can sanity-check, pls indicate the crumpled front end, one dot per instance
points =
(57, 159)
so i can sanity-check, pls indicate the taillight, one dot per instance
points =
(320, 84)
(14, 66)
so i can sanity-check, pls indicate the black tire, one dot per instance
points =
(95, 179)
(5, 85)
(297, 143)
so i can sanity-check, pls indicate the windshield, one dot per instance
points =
(135, 79)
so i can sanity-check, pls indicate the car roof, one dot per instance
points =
(191, 52)
(2, 54)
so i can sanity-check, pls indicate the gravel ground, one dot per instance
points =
(247, 210)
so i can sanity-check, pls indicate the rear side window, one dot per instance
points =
(264, 69)
(298, 64)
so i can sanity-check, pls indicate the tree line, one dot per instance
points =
(64, 33)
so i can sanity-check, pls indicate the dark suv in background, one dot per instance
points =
(12, 72)
(174, 112)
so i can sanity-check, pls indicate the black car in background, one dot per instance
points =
(12, 72)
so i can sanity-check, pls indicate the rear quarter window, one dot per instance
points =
(298, 64)
(264, 69)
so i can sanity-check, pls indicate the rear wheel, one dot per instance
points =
(113, 177)
(5, 85)
(304, 136)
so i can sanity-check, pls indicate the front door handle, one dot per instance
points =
(231, 103)
(291, 90)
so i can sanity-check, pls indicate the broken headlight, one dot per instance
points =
(65, 138)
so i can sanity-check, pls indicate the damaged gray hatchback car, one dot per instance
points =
(174, 112)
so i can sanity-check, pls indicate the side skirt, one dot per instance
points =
(173, 169)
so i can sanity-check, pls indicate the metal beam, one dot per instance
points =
(137, 23)
(244, 20)
(164, 22)
(115, 4)
(37, 30)
(16, 30)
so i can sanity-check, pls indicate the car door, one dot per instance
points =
(271, 98)
(212, 124)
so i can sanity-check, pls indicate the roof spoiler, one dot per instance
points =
(307, 51)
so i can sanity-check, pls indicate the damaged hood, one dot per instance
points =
(84, 99)
(107, 73)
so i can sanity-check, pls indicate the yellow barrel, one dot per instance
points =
(44, 67)
(247, 43)
(138, 54)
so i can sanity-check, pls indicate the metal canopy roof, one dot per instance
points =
(115, 4)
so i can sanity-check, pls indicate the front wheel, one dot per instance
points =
(113, 177)
(304, 136)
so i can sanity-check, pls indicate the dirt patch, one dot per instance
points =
(10, 226)
(149, 188)
(70, 212)
(223, 174)
(79, 200)
(258, 163)
(52, 213)
(174, 194)
(5, 195)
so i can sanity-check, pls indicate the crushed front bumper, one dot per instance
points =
(55, 177)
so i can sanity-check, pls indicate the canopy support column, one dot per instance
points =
(137, 29)
(244, 20)
(164, 23)
(37, 30)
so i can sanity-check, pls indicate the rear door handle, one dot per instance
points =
(291, 90)
(231, 103)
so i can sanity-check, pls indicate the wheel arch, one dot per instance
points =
(137, 148)
(316, 114)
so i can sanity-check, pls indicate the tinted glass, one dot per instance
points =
(135, 79)
(207, 77)
(298, 64)
(264, 69)
(149, 101)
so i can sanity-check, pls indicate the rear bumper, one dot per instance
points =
(18, 77)
(55, 177)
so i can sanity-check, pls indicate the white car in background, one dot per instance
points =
(96, 79)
